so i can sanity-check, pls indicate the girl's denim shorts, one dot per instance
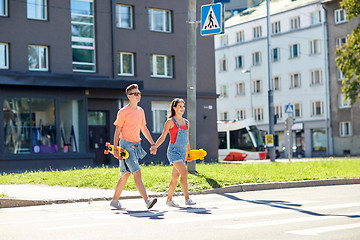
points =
(176, 154)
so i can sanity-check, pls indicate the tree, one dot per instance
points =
(348, 60)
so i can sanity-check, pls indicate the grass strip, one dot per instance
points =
(157, 177)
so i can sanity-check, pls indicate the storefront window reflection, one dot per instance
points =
(319, 139)
(71, 127)
(30, 126)
(43, 125)
(17, 125)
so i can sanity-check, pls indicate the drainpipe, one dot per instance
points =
(329, 137)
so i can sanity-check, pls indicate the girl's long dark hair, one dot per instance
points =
(173, 104)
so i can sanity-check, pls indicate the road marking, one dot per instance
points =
(316, 231)
(78, 226)
(282, 210)
(283, 221)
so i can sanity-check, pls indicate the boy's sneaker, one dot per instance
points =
(150, 202)
(190, 202)
(171, 203)
(116, 204)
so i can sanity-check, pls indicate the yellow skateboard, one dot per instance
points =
(195, 154)
(110, 149)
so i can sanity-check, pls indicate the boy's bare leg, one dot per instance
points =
(120, 185)
(140, 185)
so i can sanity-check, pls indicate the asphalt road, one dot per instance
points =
(328, 212)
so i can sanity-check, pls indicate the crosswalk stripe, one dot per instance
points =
(283, 221)
(317, 231)
(282, 210)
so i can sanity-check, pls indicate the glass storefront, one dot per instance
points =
(30, 126)
(318, 139)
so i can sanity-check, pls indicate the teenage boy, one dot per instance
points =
(130, 120)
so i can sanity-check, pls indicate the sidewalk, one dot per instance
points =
(39, 194)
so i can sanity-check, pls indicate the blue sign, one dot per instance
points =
(212, 19)
(289, 108)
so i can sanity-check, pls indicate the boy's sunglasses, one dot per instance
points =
(135, 93)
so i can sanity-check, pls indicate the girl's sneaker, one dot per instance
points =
(190, 202)
(171, 203)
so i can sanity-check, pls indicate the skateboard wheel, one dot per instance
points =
(107, 144)
(106, 152)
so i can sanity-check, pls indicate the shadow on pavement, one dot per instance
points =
(285, 205)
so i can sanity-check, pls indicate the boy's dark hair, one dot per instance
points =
(131, 87)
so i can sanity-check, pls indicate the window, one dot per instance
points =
(240, 89)
(38, 58)
(240, 36)
(256, 86)
(316, 77)
(276, 83)
(278, 111)
(160, 111)
(314, 46)
(275, 27)
(31, 126)
(83, 35)
(315, 17)
(223, 40)
(339, 74)
(4, 55)
(298, 109)
(294, 50)
(223, 91)
(340, 41)
(295, 23)
(340, 16)
(256, 57)
(222, 140)
(295, 81)
(159, 20)
(223, 65)
(239, 61)
(241, 114)
(317, 108)
(224, 116)
(3, 7)
(275, 55)
(37, 9)
(318, 139)
(257, 32)
(161, 66)
(345, 129)
(259, 114)
(124, 16)
(342, 102)
(126, 63)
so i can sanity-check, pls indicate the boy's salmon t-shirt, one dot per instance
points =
(130, 122)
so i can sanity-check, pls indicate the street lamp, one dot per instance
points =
(251, 103)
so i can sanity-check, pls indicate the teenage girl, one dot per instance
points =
(178, 127)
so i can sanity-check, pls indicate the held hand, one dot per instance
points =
(153, 150)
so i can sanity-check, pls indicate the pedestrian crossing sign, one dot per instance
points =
(289, 108)
(212, 19)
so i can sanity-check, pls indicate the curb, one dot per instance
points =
(10, 202)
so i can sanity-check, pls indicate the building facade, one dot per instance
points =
(64, 67)
(298, 72)
(345, 118)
